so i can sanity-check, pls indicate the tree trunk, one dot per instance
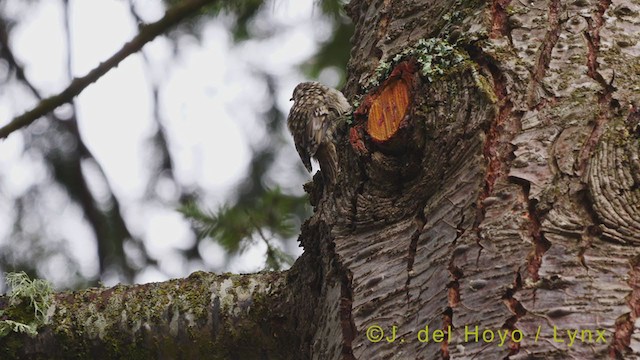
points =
(511, 206)
(487, 205)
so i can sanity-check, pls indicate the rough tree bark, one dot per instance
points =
(497, 197)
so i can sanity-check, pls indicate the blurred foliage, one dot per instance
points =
(332, 53)
(243, 12)
(256, 212)
(335, 51)
(259, 210)
(235, 228)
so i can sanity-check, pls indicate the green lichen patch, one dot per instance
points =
(28, 304)
(436, 57)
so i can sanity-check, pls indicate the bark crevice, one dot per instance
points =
(544, 56)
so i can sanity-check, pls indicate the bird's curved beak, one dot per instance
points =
(291, 99)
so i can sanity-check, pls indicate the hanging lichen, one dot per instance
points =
(28, 304)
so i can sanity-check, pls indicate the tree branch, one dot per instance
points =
(232, 316)
(147, 33)
(68, 172)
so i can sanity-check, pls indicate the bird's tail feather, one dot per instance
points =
(328, 158)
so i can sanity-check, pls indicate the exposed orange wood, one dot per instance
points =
(387, 110)
(383, 111)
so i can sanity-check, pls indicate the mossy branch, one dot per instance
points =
(203, 316)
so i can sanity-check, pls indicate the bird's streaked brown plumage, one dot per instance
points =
(312, 122)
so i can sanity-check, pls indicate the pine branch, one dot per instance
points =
(147, 33)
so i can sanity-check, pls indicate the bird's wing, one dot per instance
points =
(297, 126)
(317, 127)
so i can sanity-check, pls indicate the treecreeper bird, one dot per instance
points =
(316, 112)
